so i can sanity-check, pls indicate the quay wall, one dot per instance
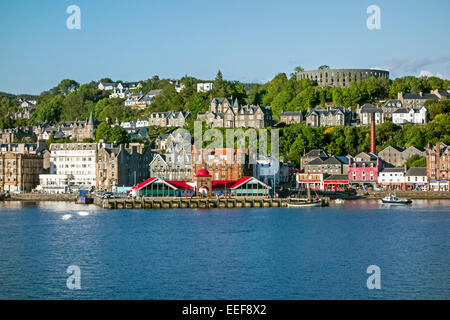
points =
(200, 203)
(40, 197)
(424, 195)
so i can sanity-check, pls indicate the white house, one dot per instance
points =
(392, 178)
(142, 123)
(76, 160)
(411, 115)
(204, 87)
(133, 99)
(179, 86)
(367, 111)
(53, 183)
(416, 178)
(128, 124)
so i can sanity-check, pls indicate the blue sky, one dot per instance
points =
(247, 40)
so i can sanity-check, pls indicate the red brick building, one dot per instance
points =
(222, 164)
(437, 167)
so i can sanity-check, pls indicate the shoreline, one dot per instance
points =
(360, 194)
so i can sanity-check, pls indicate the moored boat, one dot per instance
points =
(392, 199)
(83, 198)
(304, 203)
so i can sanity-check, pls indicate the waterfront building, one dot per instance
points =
(315, 181)
(340, 77)
(287, 173)
(291, 117)
(223, 164)
(336, 182)
(394, 156)
(202, 186)
(224, 113)
(363, 170)
(20, 166)
(416, 178)
(392, 178)
(77, 161)
(410, 115)
(267, 169)
(369, 111)
(438, 167)
(121, 166)
(331, 165)
(311, 155)
(53, 183)
(320, 117)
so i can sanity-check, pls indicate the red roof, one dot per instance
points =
(223, 183)
(143, 184)
(180, 184)
(202, 173)
(241, 181)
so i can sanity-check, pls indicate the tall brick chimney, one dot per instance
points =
(372, 134)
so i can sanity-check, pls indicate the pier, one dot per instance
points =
(199, 203)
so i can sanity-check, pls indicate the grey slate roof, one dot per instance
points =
(393, 170)
(418, 96)
(416, 171)
(316, 153)
(291, 113)
(369, 108)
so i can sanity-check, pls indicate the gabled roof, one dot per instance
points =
(143, 184)
(180, 184)
(416, 171)
(291, 113)
(244, 180)
(399, 170)
(393, 147)
(316, 153)
(336, 177)
(318, 160)
(418, 96)
(369, 108)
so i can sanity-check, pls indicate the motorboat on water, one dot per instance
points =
(392, 199)
(339, 201)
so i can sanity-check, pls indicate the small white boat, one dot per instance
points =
(392, 199)
(339, 201)
(300, 204)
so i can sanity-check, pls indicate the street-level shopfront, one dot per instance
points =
(439, 185)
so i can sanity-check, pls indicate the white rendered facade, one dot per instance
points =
(76, 160)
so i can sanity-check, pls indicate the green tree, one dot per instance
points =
(118, 135)
(103, 131)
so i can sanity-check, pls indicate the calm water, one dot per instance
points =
(315, 253)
